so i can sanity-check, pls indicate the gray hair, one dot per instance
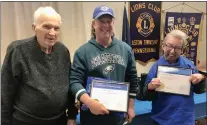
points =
(93, 34)
(177, 34)
(47, 11)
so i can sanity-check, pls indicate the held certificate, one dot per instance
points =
(174, 80)
(114, 96)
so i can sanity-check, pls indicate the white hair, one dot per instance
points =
(46, 11)
(177, 34)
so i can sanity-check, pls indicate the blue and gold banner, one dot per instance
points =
(188, 23)
(145, 18)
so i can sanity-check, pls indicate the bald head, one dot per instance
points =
(45, 12)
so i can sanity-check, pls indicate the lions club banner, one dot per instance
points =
(188, 23)
(145, 30)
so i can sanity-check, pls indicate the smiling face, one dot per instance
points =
(104, 27)
(172, 48)
(47, 30)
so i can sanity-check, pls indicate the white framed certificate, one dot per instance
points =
(174, 80)
(113, 95)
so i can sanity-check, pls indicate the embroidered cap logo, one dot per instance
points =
(104, 8)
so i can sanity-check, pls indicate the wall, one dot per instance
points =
(16, 21)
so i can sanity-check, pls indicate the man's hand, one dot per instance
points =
(71, 122)
(130, 114)
(95, 107)
(196, 78)
(155, 83)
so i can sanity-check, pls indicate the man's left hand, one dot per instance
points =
(130, 115)
(196, 78)
(71, 122)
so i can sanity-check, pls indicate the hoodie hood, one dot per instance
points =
(95, 43)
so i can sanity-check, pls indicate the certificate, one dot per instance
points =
(174, 80)
(113, 95)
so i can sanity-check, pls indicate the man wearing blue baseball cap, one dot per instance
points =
(92, 59)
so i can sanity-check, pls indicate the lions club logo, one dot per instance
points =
(145, 24)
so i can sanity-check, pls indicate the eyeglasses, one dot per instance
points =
(176, 48)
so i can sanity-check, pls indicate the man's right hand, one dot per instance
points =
(155, 83)
(95, 107)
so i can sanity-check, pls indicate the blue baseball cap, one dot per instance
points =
(102, 10)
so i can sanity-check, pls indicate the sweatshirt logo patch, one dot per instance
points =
(107, 58)
(108, 69)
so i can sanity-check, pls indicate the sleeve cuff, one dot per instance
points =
(132, 95)
(80, 94)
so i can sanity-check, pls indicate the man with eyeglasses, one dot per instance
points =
(173, 109)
